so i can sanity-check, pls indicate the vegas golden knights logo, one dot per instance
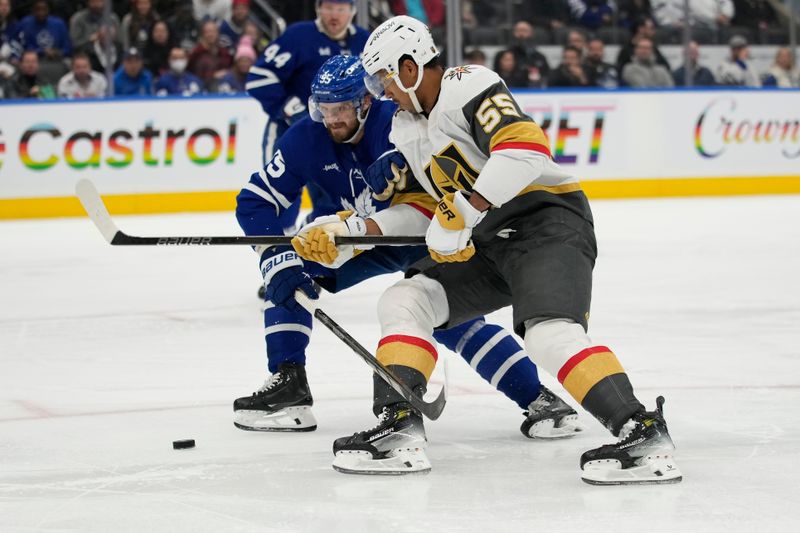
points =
(449, 171)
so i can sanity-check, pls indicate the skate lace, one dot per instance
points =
(541, 402)
(383, 416)
(270, 383)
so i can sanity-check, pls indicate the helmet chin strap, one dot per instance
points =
(411, 91)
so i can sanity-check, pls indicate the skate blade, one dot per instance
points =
(294, 419)
(546, 429)
(657, 470)
(401, 463)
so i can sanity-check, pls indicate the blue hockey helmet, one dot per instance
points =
(339, 80)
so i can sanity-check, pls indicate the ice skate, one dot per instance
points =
(283, 403)
(395, 446)
(643, 454)
(549, 417)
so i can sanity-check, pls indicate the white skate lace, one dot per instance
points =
(541, 402)
(269, 383)
(626, 430)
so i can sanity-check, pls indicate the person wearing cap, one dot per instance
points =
(233, 82)
(232, 28)
(177, 81)
(736, 70)
(281, 78)
(132, 79)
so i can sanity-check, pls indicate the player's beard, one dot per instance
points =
(339, 132)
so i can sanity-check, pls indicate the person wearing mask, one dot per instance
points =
(570, 73)
(27, 82)
(209, 60)
(157, 50)
(233, 82)
(783, 73)
(699, 75)
(82, 81)
(643, 71)
(177, 81)
(528, 57)
(136, 25)
(84, 25)
(132, 79)
(736, 70)
(600, 73)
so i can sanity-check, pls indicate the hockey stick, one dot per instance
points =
(432, 409)
(98, 213)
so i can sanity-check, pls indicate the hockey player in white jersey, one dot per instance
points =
(510, 228)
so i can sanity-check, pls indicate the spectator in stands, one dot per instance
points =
(527, 56)
(642, 28)
(9, 45)
(630, 11)
(552, 15)
(600, 73)
(103, 59)
(232, 28)
(475, 57)
(182, 25)
(84, 25)
(643, 71)
(48, 37)
(82, 81)
(699, 75)
(431, 12)
(736, 70)
(507, 67)
(577, 39)
(570, 73)
(208, 59)
(234, 81)
(137, 24)
(217, 10)
(757, 15)
(706, 15)
(592, 14)
(27, 82)
(158, 48)
(257, 37)
(177, 81)
(132, 79)
(783, 73)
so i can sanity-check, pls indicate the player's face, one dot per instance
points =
(335, 16)
(395, 93)
(340, 120)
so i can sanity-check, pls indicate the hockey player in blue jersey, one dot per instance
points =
(281, 77)
(348, 132)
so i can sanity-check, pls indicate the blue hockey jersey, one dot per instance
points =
(333, 173)
(288, 65)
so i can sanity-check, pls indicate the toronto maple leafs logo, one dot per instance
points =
(363, 204)
(457, 72)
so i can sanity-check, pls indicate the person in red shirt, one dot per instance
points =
(209, 59)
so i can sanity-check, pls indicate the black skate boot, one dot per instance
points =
(395, 446)
(643, 454)
(549, 417)
(283, 403)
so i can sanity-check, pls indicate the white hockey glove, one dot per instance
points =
(293, 110)
(314, 242)
(449, 237)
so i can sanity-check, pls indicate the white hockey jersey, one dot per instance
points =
(477, 138)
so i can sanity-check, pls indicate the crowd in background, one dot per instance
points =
(57, 48)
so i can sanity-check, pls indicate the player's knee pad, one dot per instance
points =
(552, 342)
(412, 306)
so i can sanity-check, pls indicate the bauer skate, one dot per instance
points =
(283, 403)
(395, 446)
(643, 454)
(549, 417)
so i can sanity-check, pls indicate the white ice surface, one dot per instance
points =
(108, 354)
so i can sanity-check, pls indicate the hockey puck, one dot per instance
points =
(182, 444)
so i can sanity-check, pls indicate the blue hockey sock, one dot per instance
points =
(497, 356)
(286, 334)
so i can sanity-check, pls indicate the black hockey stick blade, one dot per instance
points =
(98, 213)
(431, 410)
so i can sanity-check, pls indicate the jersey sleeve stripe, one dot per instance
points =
(524, 131)
(536, 147)
(278, 196)
(553, 189)
(261, 193)
(422, 202)
(422, 210)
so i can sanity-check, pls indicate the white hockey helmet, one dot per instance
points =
(397, 37)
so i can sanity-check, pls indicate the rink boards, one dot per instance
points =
(176, 154)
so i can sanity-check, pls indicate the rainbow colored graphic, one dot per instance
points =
(125, 152)
(192, 151)
(597, 137)
(24, 153)
(69, 149)
(564, 133)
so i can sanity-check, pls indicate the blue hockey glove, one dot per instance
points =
(283, 275)
(387, 175)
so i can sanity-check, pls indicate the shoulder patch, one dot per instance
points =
(458, 72)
